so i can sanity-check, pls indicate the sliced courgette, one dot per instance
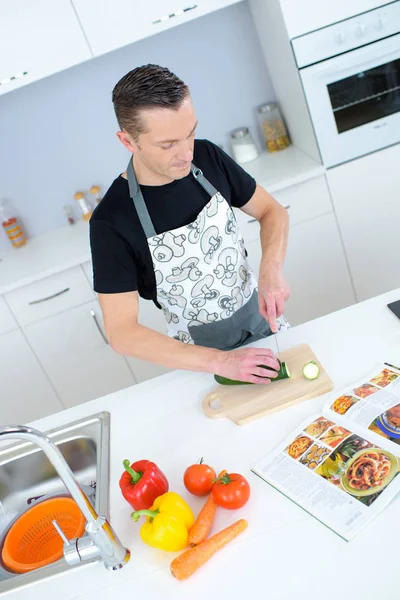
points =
(311, 370)
(283, 373)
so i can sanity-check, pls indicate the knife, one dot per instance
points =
(277, 346)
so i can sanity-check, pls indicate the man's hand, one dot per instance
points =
(243, 365)
(273, 291)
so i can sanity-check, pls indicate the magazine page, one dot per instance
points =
(373, 403)
(342, 478)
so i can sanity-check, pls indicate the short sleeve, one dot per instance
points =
(242, 185)
(114, 267)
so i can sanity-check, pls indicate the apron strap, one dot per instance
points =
(138, 200)
(205, 184)
(137, 197)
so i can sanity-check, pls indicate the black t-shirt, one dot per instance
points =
(120, 253)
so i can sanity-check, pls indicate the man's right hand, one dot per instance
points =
(243, 365)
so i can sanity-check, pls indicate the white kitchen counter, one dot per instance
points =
(68, 246)
(284, 551)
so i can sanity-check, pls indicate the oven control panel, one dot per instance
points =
(347, 35)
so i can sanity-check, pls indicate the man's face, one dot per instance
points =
(167, 146)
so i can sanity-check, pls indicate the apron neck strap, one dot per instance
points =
(205, 184)
(137, 197)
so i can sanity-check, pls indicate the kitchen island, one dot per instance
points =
(284, 554)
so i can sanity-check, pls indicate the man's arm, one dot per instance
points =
(273, 291)
(127, 337)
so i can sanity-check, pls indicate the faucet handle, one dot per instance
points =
(61, 533)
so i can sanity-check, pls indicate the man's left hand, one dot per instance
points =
(273, 292)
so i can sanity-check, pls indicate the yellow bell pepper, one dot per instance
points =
(167, 524)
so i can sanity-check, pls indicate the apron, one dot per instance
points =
(205, 286)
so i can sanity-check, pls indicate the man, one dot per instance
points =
(165, 231)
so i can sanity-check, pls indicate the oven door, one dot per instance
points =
(354, 101)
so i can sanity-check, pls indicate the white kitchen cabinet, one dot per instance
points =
(37, 39)
(110, 25)
(308, 15)
(76, 357)
(315, 269)
(26, 393)
(366, 196)
(7, 321)
(303, 201)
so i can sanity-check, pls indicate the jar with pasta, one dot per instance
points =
(273, 127)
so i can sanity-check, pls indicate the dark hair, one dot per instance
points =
(149, 86)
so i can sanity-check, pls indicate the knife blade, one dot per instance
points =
(277, 346)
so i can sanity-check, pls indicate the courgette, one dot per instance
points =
(283, 373)
(311, 370)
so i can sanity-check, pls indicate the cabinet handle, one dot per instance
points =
(177, 13)
(93, 314)
(13, 78)
(49, 297)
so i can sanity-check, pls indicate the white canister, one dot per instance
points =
(244, 148)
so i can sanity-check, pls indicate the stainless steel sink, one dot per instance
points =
(26, 476)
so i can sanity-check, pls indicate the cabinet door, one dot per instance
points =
(366, 196)
(315, 269)
(308, 15)
(76, 356)
(37, 39)
(26, 394)
(151, 317)
(7, 321)
(110, 25)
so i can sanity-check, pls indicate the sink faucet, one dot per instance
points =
(100, 540)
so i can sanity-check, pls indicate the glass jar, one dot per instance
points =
(84, 205)
(244, 148)
(273, 127)
(96, 194)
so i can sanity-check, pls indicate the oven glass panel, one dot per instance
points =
(366, 96)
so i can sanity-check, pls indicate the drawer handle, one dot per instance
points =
(177, 13)
(93, 314)
(49, 297)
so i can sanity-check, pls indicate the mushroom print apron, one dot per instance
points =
(206, 289)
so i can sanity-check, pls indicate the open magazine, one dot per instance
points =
(341, 466)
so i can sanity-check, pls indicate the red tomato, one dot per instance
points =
(198, 479)
(231, 491)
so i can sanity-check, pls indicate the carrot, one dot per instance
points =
(187, 563)
(201, 527)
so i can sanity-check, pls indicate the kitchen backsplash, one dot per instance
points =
(58, 135)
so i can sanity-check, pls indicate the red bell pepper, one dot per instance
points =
(142, 483)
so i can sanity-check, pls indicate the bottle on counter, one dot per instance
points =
(96, 194)
(273, 127)
(244, 148)
(69, 215)
(84, 205)
(12, 226)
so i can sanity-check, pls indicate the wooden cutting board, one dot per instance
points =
(244, 403)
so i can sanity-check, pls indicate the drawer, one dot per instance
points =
(7, 321)
(49, 296)
(303, 201)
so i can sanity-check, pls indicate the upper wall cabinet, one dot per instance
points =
(37, 39)
(307, 15)
(113, 24)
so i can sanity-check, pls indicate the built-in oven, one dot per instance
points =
(350, 73)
